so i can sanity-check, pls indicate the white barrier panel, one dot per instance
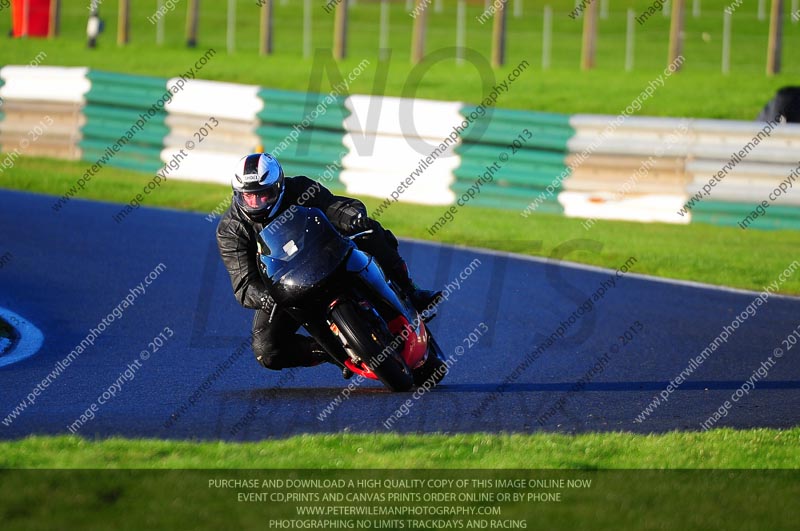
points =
(707, 139)
(44, 83)
(633, 136)
(385, 154)
(767, 151)
(789, 134)
(637, 124)
(626, 146)
(423, 123)
(643, 208)
(216, 149)
(66, 132)
(228, 136)
(392, 163)
(747, 183)
(208, 166)
(215, 98)
(402, 116)
(432, 190)
(395, 154)
(706, 147)
(720, 139)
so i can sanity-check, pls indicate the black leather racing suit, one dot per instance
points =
(276, 343)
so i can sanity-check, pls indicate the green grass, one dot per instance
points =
(699, 91)
(715, 449)
(53, 482)
(704, 253)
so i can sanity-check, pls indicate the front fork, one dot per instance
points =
(321, 331)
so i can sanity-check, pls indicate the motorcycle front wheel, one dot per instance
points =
(434, 369)
(368, 335)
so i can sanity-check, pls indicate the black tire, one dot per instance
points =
(369, 336)
(434, 369)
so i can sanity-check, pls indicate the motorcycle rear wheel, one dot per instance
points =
(368, 335)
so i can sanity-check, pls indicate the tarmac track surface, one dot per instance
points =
(71, 269)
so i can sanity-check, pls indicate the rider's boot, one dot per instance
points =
(423, 300)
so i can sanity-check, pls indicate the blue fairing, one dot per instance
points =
(370, 273)
(301, 248)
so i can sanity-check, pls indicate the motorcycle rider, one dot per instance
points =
(261, 193)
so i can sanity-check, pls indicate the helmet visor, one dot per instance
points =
(260, 201)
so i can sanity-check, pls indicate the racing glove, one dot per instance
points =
(268, 305)
(350, 216)
(359, 223)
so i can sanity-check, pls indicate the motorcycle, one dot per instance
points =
(340, 295)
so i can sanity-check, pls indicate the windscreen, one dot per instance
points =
(301, 247)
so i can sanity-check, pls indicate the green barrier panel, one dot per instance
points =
(530, 181)
(548, 131)
(114, 104)
(324, 147)
(128, 80)
(139, 100)
(147, 159)
(326, 172)
(124, 90)
(131, 152)
(318, 173)
(508, 198)
(292, 108)
(503, 134)
(320, 160)
(292, 116)
(523, 118)
(130, 116)
(314, 162)
(525, 168)
(306, 141)
(489, 153)
(527, 171)
(315, 148)
(730, 214)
